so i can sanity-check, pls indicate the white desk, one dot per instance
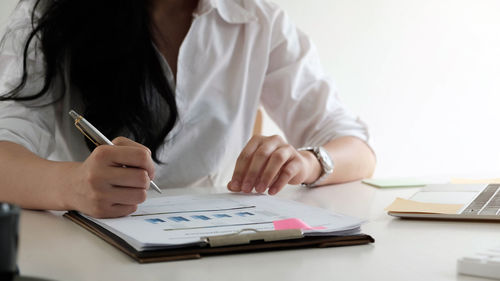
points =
(55, 248)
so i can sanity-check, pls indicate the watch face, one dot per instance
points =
(326, 159)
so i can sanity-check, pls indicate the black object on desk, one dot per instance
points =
(9, 227)
(9, 233)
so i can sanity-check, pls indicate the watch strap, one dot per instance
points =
(325, 171)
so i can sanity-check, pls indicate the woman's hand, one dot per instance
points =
(269, 163)
(104, 187)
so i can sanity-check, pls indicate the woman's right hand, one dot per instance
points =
(104, 188)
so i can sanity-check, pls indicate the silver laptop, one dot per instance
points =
(480, 201)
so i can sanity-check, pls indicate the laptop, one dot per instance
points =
(474, 201)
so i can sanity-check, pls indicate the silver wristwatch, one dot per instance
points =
(325, 161)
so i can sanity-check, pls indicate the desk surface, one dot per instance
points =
(55, 248)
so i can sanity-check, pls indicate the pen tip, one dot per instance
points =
(153, 184)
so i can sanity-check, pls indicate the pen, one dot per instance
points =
(95, 136)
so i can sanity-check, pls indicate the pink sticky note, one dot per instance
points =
(293, 224)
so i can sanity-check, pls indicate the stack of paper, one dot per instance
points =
(170, 222)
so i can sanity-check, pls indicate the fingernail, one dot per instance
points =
(234, 186)
(261, 187)
(246, 187)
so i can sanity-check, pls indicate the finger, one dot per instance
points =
(126, 195)
(278, 158)
(126, 177)
(124, 156)
(298, 179)
(259, 161)
(233, 186)
(109, 210)
(123, 141)
(243, 162)
(120, 210)
(288, 171)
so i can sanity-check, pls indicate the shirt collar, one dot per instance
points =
(229, 10)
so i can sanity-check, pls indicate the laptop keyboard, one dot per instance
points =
(486, 203)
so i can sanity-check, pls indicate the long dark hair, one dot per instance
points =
(106, 48)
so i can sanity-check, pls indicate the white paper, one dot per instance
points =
(188, 219)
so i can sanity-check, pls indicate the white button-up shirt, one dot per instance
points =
(238, 55)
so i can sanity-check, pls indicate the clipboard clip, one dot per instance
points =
(247, 235)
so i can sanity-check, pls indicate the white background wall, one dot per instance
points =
(423, 74)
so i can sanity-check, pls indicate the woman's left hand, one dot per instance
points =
(269, 163)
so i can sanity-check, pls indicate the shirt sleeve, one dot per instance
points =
(299, 96)
(30, 124)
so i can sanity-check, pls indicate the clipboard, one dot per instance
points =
(248, 240)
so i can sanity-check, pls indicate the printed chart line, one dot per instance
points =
(193, 211)
(215, 226)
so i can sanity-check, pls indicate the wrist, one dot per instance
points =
(324, 160)
(314, 167)
(65, 195)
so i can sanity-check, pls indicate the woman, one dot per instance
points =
(177, 84)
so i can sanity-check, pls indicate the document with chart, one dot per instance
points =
(183, 220)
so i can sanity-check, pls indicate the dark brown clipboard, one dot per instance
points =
(196, 252)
